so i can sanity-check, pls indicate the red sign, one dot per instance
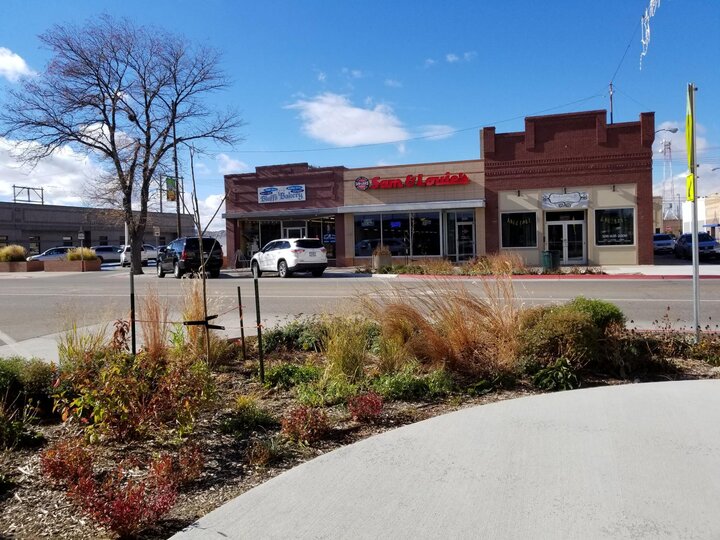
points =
(448, 179)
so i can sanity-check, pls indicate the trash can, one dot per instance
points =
(547, 260)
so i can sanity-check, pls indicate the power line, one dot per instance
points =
(612, 79)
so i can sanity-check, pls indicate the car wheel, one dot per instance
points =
(160, 271)
(176, 271)
(256, 270)
(283, 271)
(215, 274)
(317, 273)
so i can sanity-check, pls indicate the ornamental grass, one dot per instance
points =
(81, 254)
(13, 253)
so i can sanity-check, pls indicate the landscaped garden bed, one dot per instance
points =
(107, 443)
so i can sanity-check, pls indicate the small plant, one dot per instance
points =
(180, 470)
(81, 254)
(557, 376)
(381, 251)
(13, 253)
(300, 334)
(287, 376)
(67, 461)
(408, 385)
(305, 425)
(325, 392)
(346, 348)
(16, 427)
(247, 416)
(365, 407)
(264, 452)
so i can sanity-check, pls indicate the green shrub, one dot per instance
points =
(557, 376)
(561, 331)
(13, 253)
(11, 386)
(629, 352)
(326, 392)
(289, 375)
(409, 385)
(247, 416)
(301, 334)
(16, 427)
(26, 382)
(81, 253)
(602, 313)
(346, 348)
(125, 397)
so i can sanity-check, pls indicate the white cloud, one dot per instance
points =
(228, 165)
(321, 76)
(452, 58)
(353, 73)
(436, 131)
(12, 66)
(467, 56)
(208, 207)
(470, 55)
(429, 62)
(392, 83)
(63, 176)
(332, 118)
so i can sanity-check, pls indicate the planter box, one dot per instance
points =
(379, 261)
(22, 266)
(72, 266)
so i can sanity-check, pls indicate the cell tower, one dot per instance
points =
(670, 203)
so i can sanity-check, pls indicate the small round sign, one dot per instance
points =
(362, 183)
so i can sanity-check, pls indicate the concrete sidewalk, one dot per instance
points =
(632, 461)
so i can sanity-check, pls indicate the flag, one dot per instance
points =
(689, 142)
(171, 188)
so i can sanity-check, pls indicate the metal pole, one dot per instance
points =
(132, 295)
(694, 229)
(177, 178)
(259, 332)
(242, 325)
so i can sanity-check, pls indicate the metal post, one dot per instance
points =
(694, 229)
(259, 332)
(242, 325)
(133, 343)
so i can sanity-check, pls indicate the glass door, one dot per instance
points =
(294, 232)
(465, 236)
(567, 238)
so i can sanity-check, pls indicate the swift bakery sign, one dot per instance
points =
(363, 183)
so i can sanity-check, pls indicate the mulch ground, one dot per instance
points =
(31, 507)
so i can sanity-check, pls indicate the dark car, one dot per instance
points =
(183, 255)
(663, 243)
(707, 246)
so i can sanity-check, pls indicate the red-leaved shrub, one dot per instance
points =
(122, 504)
(305, 424)
(365, 407)
(183, 469)
(67, 461)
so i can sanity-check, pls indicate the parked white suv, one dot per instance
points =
(289, 255)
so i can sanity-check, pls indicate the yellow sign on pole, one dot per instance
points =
(689, 140)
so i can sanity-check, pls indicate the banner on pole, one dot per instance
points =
(171, 188)
(689, 139)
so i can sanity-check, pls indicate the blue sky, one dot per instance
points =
(319, 81)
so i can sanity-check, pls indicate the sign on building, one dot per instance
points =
(276, 194)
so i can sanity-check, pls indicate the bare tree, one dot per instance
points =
(114, 90)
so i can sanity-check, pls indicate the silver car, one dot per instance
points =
(107, 254)
(52, 254)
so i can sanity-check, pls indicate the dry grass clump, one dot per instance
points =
(346, 349)
(13, 253)
(496, 264)
(436, 267)
(81, 254)
(449, 327)
(193, 310)
(153, 319)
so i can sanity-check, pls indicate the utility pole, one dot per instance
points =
(692, 195)
(611, 102)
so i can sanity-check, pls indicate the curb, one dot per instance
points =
(546, 277)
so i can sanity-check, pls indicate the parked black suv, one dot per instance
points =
(183, 255)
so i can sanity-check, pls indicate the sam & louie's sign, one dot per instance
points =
(363, 183)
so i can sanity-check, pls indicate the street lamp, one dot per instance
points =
(669, 130)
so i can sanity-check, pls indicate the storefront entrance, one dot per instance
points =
(565, 233)
(460, 240)
(294, 232)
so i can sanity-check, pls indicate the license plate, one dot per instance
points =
(312, 253)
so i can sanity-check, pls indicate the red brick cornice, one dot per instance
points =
(637, 162)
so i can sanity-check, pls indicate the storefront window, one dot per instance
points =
(324, 229)
(367, 233)
(615, 227)
(519, 229)
(396, 233)
(269, 231)
(426, 234)
(3, 241)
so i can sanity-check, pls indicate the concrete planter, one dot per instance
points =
(72, 266)
(379, 261)
(22, 266)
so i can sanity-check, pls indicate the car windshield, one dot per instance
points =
(312, 243)
(208, 244)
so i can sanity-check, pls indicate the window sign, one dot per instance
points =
(615, 227)
(277, 194)
(519, 230)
